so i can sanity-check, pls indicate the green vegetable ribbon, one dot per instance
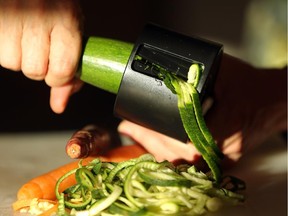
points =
(191, 115)
(142, 186)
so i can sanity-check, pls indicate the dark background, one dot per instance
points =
(25, 103)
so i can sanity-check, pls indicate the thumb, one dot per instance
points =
(59, 96)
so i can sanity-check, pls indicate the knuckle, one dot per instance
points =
(62, 69)
(10, 58)
(34, 70)
(10, 63)
(59, 73)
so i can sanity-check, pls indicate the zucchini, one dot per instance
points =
(103, 62)
(150, 188)
(164, 179)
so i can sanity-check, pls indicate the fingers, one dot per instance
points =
(65, 43)
(35, 44)
(161, 146)
(43, 40)
(51, 41)
(166, 148)
(232, 146)
(10, 35)
(59, 95)
(65, 51)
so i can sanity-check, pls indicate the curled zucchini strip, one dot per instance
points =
(142, 186)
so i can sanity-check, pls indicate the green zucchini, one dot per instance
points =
(150, 188)
(103, 62)
(164, 179)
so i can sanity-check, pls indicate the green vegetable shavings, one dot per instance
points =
(142, 186)
(191, 114)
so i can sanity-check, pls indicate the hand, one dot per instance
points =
(249, 106)
(42, 38)
(161, 146)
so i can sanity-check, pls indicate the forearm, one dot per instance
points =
(264, 89)
(250, 104)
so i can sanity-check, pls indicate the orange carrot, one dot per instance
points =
(43, 186)
(124, 153)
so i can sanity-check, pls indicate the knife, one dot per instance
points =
(127, 71)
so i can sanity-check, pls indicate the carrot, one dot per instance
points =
(43, 186)
(89, 141)
(124, 153)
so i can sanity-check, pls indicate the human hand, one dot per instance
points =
(249, 106)
(161, 146)
(42, 39)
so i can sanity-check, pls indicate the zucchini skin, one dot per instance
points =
(103, 62)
